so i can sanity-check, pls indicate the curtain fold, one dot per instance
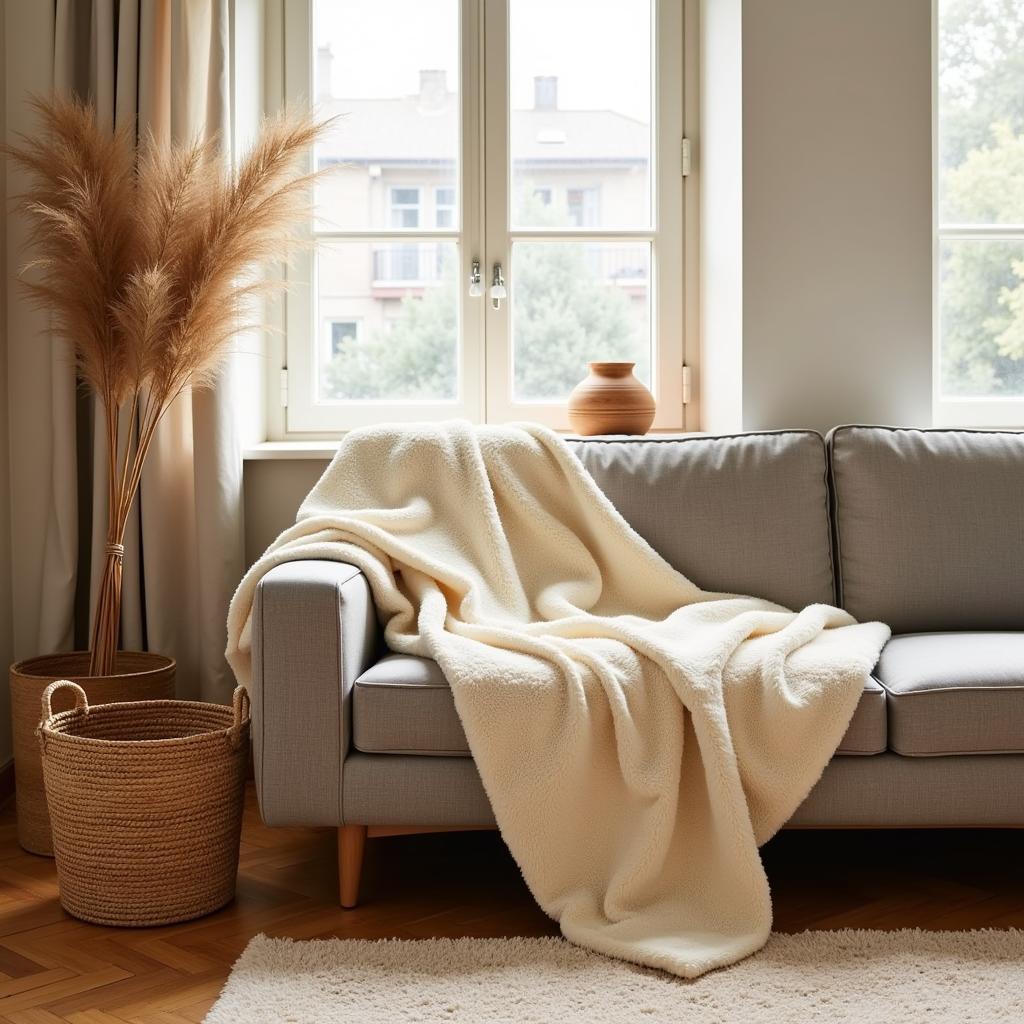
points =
(166, 66)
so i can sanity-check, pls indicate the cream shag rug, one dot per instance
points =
(867, 977)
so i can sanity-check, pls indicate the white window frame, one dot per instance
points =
(952, 411)
(484, 386)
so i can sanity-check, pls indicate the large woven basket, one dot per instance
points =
(145, 803)
(138, 675)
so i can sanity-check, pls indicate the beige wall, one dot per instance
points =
(273, 491)
(836, 212)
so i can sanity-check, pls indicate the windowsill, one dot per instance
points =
(323, 451)
(270, 450)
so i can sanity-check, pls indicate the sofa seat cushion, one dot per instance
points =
(404, 705)
(954, 693)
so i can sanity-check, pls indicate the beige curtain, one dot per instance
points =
(164, 64)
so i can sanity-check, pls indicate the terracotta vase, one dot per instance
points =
(611, 401)
(138, 675)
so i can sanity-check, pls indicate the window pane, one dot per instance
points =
(580, 95)
(981, 111)
(388, 321)
(574, 303)
(390, 70)
(982, 318)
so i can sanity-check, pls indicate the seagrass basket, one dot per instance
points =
(137, 675)
(145, 802)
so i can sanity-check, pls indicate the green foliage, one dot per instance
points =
(414, 358)
(982, 182)
(981, 46)
(565, 318)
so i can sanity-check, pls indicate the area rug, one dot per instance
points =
(867, 977)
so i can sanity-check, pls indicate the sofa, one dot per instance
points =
(921, 529)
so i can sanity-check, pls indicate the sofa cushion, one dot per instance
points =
(929, 529)
(744, 514)
(404, 705)
(954, 693)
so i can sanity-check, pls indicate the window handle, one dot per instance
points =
(498, 291)
(476, 287)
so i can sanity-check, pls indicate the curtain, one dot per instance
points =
(165, 65)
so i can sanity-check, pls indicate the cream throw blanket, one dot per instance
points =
(638, 737)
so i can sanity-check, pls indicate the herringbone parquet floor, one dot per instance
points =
(53, 968)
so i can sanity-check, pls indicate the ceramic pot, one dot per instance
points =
(611, 401)
(138, 675)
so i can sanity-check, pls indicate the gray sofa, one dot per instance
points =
(922, 529)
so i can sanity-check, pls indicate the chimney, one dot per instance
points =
(433, 89)
(324, 61)
(545, 92)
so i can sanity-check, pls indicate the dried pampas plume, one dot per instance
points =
(149, 256)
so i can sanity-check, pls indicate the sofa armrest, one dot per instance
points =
(314, 632)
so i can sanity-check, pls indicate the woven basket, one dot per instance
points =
(138, 675)
(146, 805)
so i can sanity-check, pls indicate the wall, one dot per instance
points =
(273, 491)
(720, 160)
(836, 212)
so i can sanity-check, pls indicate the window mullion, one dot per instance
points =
(496, 178)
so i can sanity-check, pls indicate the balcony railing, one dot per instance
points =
(618, 265)
(408, 264)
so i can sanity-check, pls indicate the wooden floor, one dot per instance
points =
(53, 968)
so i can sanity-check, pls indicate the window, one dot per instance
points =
(444, 207)
(581, 204)
(405, 208)
(508, 135)
(979, 250)
(343, 332)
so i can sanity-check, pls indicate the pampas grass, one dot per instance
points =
(148, 257)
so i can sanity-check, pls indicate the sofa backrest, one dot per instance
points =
(929, 526)
(744, 514)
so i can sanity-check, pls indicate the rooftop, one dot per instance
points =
(423, 128)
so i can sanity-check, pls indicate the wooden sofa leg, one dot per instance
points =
(351, 844)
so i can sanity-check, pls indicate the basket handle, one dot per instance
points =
(241, 703)
(81, 700)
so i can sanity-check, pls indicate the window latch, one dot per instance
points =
(476, 288)
(498, 290)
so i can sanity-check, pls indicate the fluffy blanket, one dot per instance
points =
(638, 737)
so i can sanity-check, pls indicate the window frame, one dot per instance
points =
(304, 415)
(484, 344)
(967, 411)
